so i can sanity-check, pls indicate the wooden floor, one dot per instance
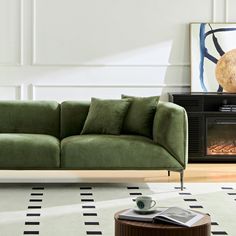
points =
(193, 173)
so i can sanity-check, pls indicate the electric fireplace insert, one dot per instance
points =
(220, 136)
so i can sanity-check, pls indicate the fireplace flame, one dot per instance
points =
(222, 149)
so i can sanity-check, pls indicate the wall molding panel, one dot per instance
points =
(104, 65)
(226, 11)
(11, 92)
(39, 60)
(21, 32)
(82, 92)
(213, 10)
(34, 52)
(34, 32)
(19, 61)
(230, 10)
(155, 63)
(220, 12)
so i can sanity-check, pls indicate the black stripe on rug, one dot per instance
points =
(35, 200)
(214, 223)
(89, 207)
(93, 232)
(132, 187)
(180, 193)
(32, 232)
(86, 194)
(33, 214)
(190, 200)
(37, 188)
(180, 187)
(32, 223)
(196, 207)
(135, 194)
(34, 207)
(85, 188)
(91, 223)
(87, 200)
(219, 233)
(90, 214)
(227, 188)
(36, 194)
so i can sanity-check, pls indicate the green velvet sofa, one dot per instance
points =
(45, 135)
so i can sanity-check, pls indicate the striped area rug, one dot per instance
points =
(88, 209)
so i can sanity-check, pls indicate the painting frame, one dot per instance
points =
(213, 58)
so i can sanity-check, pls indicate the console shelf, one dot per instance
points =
(204, 130)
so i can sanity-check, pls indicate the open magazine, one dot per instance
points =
(174, 215)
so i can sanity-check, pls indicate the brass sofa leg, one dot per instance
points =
(182, 180)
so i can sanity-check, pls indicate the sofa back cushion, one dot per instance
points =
(139, 118)
(105, 116)
(73, 116)
(38, 117)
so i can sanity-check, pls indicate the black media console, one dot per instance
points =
(212, 125)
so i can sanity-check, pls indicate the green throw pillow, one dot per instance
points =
(139, 118)
(105, 116)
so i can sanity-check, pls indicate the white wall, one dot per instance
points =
(75, 49)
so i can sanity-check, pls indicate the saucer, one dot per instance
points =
(144, 212)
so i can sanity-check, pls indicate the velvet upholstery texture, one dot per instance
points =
(139, 118)
(105, 116)
(30, 131)
(115, 152)
(30, 117)
(29, 151)
(73, 116)
(170, 130)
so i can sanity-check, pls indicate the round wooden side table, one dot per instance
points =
(135, 228)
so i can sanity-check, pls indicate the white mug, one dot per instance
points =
(145, 203)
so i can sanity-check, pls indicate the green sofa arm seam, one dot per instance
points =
(170, 153)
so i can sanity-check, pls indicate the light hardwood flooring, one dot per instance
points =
(193, 173)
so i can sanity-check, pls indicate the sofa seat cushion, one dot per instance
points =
(29, 151)
(114, 152)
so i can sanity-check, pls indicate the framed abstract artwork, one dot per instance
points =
(213, 57)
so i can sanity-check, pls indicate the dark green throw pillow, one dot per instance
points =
(139, 118)
(105, 116)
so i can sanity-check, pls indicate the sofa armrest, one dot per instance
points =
(170, 130)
